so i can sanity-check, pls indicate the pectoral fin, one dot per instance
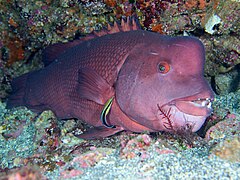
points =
(93, 87)
(99, 132)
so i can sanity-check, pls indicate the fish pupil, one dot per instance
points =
(162, 68)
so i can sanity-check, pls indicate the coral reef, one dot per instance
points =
(23, 173)
(229, 149)
(226, 128)
(28, 26)
(51, 146)
(27, 138)
(222, 47)
(136, 146)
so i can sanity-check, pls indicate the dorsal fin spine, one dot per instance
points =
(128, 24)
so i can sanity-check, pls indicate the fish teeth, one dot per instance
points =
(209, 105)
(203, 102)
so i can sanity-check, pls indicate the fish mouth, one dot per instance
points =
(173, 119)
(190, 111)
(197, 105)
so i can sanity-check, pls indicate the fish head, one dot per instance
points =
(161, 85)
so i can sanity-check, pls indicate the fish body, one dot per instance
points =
(126, 79)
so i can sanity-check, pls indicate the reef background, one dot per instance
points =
(33, 146)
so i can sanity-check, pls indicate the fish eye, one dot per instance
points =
(163, 67)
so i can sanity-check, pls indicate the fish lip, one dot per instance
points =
(201, 95)
(198, 104)
(195, 97)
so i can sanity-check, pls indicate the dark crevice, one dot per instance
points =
(213, 84)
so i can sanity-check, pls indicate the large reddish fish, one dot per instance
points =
(120, 79)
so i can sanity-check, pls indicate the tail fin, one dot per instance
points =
(16, 97)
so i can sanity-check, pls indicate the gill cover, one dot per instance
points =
(137, 86)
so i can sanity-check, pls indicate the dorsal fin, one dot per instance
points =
(53, 51)
(129, 24)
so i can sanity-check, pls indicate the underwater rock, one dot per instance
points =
(226, 128)
(228, 82)
(23, 173)
(223, 138)
(212, 22)
(229, 149)
(136, 146)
